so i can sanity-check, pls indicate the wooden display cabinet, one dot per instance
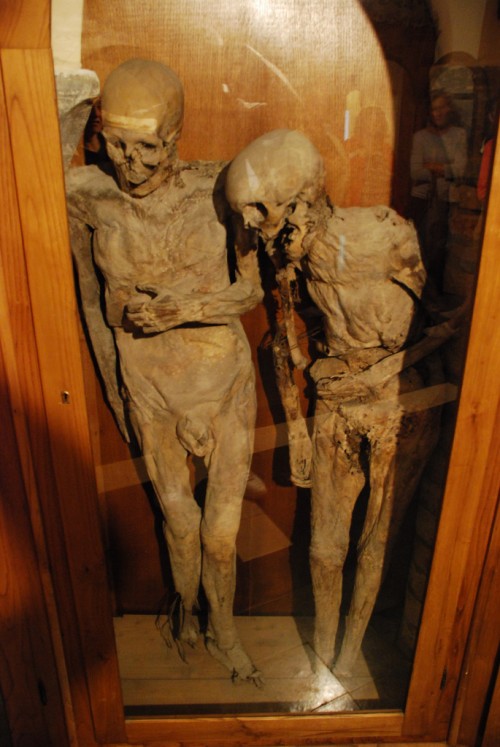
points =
(59, 672)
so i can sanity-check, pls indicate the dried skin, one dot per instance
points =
(172, 316)
(364, 272)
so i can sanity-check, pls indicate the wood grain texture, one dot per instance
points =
(491, 736)
(322, 743)
(479, 664)
(468, 505)
(25, 25)
(28, 675)
(298, 68)
(247, 67)
(309, 741)
(259, 731)
(32, 118)
(250, 67)
(21, 383)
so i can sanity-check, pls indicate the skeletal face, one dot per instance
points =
(138, 156)
(142, 107)
(267, 217)
(273, 182)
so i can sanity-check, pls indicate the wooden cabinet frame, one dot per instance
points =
(56, 501)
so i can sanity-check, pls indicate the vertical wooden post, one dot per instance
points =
(478, 673)
(43, 377)
(468, 506)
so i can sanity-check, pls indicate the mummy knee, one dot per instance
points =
(219, 547)
(329, 544)
(328, 556)
(371, 559)
(178, 533)
(181, 518)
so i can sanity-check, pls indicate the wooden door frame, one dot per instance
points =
(69, 534)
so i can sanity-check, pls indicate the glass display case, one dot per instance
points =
(356, 79)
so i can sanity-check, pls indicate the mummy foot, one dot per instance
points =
(236, 661)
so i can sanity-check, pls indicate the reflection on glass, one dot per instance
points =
(376, 503)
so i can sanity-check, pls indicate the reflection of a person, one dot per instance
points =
(487, 153)
(93, 140)
(370, 159)
(484, 171)
(438, 160)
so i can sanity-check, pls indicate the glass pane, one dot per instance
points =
(357, 344)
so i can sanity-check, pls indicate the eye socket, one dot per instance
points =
(118, 143)
(254, 214)
(260, 207)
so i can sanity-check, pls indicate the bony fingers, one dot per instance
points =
(149, 288)
(139, 317)
(136, 308)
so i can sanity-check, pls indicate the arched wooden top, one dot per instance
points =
(249, 66)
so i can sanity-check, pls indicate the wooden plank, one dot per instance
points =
(24, 387)
(205, 46)
(468, 505)
(491, 736)
(484, 640)
(33, 123)
(28, 674)
(257, 731)
(21, 382)
(309, 741)
(295, 680)
(49, 388)
(25, 25)
(168, 743)
(248, 68)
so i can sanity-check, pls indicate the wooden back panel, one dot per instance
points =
(248, 67)
(251, 66)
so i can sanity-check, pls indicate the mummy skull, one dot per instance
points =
(142, 110)
(274, 180)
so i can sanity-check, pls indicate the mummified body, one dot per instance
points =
(158, 240)
(364, 272)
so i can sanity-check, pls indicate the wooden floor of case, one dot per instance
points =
(155, 679)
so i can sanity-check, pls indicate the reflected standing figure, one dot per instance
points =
(437, 164)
